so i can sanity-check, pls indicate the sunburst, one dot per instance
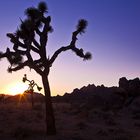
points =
(16, 88)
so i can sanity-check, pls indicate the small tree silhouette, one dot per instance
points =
(32, 36)
(32, 84)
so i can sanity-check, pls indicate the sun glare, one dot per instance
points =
(17, 88)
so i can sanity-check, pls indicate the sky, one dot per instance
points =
(112, 36)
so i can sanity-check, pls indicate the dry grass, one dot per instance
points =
(20, 121)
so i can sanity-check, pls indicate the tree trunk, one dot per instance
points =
(32, 98)
(50, 120)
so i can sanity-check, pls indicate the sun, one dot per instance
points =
(16, 88)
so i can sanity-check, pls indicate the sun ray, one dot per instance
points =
(16, 88)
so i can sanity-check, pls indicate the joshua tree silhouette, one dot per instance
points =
(32, 36)
(32, 84)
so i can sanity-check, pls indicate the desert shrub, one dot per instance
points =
(122, 138)
(22, 117)
(77, 138)
(102, 132)
(136, 112)
(21, 132)
(117, 131)
(1, 131)
(81, 125)
(111, 122)
(39, 115)
(137, 124)
(136, 117)
(38, 107)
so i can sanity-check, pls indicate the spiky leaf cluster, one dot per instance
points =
(16, 58)
(24, 78)
(88, 56)
(82, 24)
(39, 88)
(34, 20)
(13, 57)
(26, 30)
(42, 7)
(32, 13)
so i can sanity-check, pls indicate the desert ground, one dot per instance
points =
(74, 121)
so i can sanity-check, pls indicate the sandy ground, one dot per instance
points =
(73, 122)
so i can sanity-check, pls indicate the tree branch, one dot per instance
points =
(20, 66)
(39, 63)
(58, 52)
(80, 29)
(44, 33)
(36, 68)
(36, 43)
(38, 31)
(2, 55)
(74, 38)
(21, 52)
(35, 49)
(71, 46)
(15, 40)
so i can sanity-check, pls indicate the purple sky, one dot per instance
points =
(112, 36)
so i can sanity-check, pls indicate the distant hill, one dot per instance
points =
(101, 96)
(38, 97)
(91, 95)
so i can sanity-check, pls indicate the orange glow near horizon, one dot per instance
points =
(16, 88)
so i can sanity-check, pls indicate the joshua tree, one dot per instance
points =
(30, 90)
(32, 36)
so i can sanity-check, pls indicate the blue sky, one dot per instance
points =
(112, 36)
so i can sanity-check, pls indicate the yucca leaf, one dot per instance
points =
(42, 7)
(39, 88)
(32, 13)
(87, 56)
(38, 24)
(50, 29)
(9, 70)
(82, 24)
(1, 53)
